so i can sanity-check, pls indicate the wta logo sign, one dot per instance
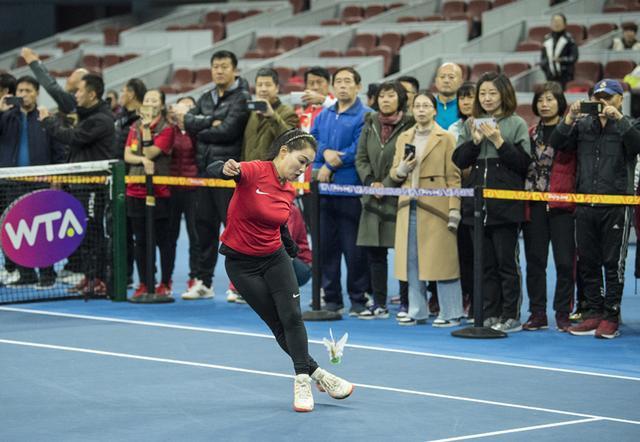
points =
(42, 228)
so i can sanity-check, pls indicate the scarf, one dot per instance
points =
(388, 123)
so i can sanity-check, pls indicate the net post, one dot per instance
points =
(478, 331)
(119, 232)
(316, 314)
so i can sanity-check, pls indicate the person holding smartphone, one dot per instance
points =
(606, 145)
(495, 144)
(148, 152)
(425, 236)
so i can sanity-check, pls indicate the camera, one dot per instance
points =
(591, 107)
(14, 101)
(259, 106)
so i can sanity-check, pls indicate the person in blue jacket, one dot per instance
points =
(337, 130)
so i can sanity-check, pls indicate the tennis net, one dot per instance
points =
(62, 232)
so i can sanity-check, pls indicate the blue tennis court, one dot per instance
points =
(209, 370)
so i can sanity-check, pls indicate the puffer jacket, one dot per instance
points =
(223, 141)
(183, 155)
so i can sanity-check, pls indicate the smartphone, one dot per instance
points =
(14, 101)
(296, 98)
(260, 106)
(479, 121)
(591, 108)
(409, 149)
(149, 112)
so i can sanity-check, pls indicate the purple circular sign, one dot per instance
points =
(42, 228)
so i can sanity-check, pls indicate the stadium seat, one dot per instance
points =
(266, 43)
(284, 74)
(214, 17)
(524, 110)
(465, 71)
(309, 38)
(396, 5)
(391, 39)
(355, 52)
(372, 10)
(434, 17)
(92, 63)
(218, 30)
(329, 53)
(365, 41)
(298, 6)
(575, 86)
(414, 35)
(331, 22)
(614, 9)
(599, 29)
(529, 45)
(233, 15)
(352, 20)
(109, 60)
(480, 68)
(127, 57)
(514, 68)
(408, 19)
(288, 42)
(111, 36)
(182, 77)
(498, 3)
(255, 53)
(202, 76)
(386, 53)
(475, 8)
(618, 68)
(274, 52)
(352, 11)
(577, 31)
(588, 70)
(292, 86)
(453, 7)
(67, 45)
(537, 33)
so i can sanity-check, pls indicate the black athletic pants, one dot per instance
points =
(269, 286)
(183, 201)
(555, 226)
(378, 269)
(602, 235)
(212, 205)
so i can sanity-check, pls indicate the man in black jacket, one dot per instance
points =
(559, 52)
(607, 144)
(217, 123)
(92, 139)
(24, 142)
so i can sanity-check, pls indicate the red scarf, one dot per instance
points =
(388, 123)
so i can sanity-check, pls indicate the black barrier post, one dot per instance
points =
(150, 252)
(317, 314)
(478, 331)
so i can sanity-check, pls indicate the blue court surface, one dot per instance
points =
(210, 370)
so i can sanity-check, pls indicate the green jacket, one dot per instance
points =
(373, 162)
(261, 131)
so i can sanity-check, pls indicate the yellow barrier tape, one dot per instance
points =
(578, 198)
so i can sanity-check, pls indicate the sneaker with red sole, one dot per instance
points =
(562, 321)
(163, 289)
(537, 321)
(587, 327)
(607, 329)
(140, 291)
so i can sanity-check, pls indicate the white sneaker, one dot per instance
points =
(232, 296)
(7, 277)
(68, 277)
(335, 387)
(302, 395)
(198, 291)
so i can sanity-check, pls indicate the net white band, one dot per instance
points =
(56, 169)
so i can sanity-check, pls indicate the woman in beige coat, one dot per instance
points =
(426, 248)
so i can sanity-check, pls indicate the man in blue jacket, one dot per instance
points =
(24, 142)
(337, 130)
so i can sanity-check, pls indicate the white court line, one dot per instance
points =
(281, 375)
(360, 347)
(516, 430)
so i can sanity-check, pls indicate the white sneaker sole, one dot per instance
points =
(195, 298)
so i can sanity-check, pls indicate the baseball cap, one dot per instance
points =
(608, 86)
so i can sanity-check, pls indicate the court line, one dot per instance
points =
(282, 375)
(313, 341)
(516, 430)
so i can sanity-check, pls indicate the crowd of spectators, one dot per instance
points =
(463, 135)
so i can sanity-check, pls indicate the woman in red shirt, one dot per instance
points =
(148, 151)
(259, 249)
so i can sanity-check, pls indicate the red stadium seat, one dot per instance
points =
(434, 17)
(524, 110)
(92, 63)
(391, 39)
(588, 70)
(109, 60)
(355, 52)
(284, 74)
(537, 33)
(182, 77)
(111, 36)
(575, 86)
(127, 57)
(498, 3)
(266, 43)
(298, 6)
(414, 35)
(618, 68)
(465, 71)
(599, 29)
(365, 41)
(233, 15)
(453, 7)
(202, 76)
(408, 19)
(331, 22)
(288, 42)
(67, 45)
(480, 68)
(477, 7)
(577, 31)
(214, 17)
(218, 30)
(528, 46)
(352, 20)
(514, 68)
(329, 53)
(255, 53)
(396, 5)
(352, 11)
(372, 10)
(614, 9)
(309, 38)
(386, 54)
